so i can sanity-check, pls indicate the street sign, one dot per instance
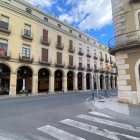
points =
(106, 78)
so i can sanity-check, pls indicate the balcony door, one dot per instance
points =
(88, 64)
(25, 53)
(80, 62)
(59, 40)
(27, 30)
(44, 55)
(3, 47)
(100, 54)
(45, 35)
(70, 44)
(70, 60)
(59, 58)
(4, 22)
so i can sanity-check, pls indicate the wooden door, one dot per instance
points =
(44, 55)
(59, 58)
(70, 60)
(59, 40)
(45, 35)
(70, 44)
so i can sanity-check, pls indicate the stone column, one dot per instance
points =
(98, 80)
(35, 84)
(83, 83)
(91, 83)
(113, 83)
(104, 82)
(51, 83)
(75, 88)
(109, 84)
(13, 84)
(64, 83)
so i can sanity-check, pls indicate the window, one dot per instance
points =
(25, 52)
(27, 30)
(45, 35)
(105, 47)
(95, 64)
(59, 40)
(94, 52)
(101, 65)
(59, 58)
(59, 25)
(88, 64)
(80, 62)
(106, 66)
(100, 54)
(28, 10)
(70, 31)
(88, 51)
(105, 56)
(45, 19)
(80, 35)
(70, 44)
(80, 47)
(70, 60)
(100, 45)
(94, 42)
(3, 47)
(110, 59)
(87, 39)
(44, 55)
(4, 22)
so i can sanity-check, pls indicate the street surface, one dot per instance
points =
(65, 116)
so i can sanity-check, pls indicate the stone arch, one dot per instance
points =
(137, 75)
(137, 20)
(33, 71)
(72, 72)
(63, 73)
(50, 72)
(11, 69)
(81, 73)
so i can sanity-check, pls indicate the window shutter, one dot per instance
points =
(44, 55)
(70, 60)
(59, 58)
(70, 44)
(27, 27)
(5, 19)
(45, 35)
(59, 40)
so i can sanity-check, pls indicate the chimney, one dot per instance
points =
(74, 26)
(53, 14)
(39, 7)
(65, 21)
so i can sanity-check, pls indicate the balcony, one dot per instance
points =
(27, 34)
(4, 27)
(124, 41)
(111, 62)
(96, 69)
(89, 68)
(71, 49)
(95, 57)
(59, 45)
(29, 58)
(114, 72)
(57, 64)
(107, 71)
(106, 60)
(102, 70)
(49, 62)
(134, 1)
(80, 52)
(89, 54)
(101, 59)
(45, 40)
(5, 55)
(71, 66)
(81, 67)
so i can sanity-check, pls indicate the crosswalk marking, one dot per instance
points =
(59, 134)
(95, 130)
(107, 122)
(100, 114)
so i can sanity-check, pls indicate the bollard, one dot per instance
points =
(93, 95)
(63, 91)
(26, 93)
(105, 92)
(47, 92)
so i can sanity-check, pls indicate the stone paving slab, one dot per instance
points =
(4, 138)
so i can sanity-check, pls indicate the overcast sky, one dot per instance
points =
(91, 16)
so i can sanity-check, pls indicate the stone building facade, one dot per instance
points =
(126, 48)
(40, 53)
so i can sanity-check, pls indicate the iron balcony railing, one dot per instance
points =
(107, 71)
(45, 40)
(89, 54)
(58, 64)
(71, 49)
(47, 62)
(81, 67)
(80, 52)
(71, 65)
(59, 45)
(4, 54)
(23, 57)
(89, 68)
(111, 62)
(102, 70)
(101, 58)
(95, 57)
(96, 69)
(106, 60)
(114, 72)
(27, 34)
(5, 27)
(124, 41)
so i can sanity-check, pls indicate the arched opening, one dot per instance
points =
(58, 80)
(101, 82)
(94, 80)
(4, 79)
(24, 79)
(111, 82)
(70, 80)
(43, 80)
(115, 81)
(88, 81)
(79, 81)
